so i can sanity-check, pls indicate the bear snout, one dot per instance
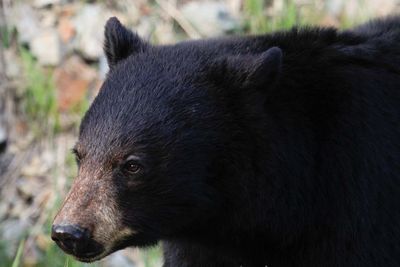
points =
(76, 241)
(88, 224)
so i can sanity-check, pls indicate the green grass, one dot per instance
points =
(288, 17)
(5, 260)
(258, 22)
(54, 257)
(17, 258)
(152, 256)
(39, 95)
(255, 19)
(5, 35)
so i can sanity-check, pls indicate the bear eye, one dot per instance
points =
(132, 167)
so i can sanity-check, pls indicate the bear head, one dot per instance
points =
(155, 145)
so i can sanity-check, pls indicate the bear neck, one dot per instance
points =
(299, 110)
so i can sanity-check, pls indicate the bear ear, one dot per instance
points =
(257, 71)
(120, 42)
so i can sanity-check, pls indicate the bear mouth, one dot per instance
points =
(92, 257)
(87, 253)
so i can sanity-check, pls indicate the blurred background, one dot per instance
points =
(52, 66)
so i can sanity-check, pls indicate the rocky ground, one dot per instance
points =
(51, 67)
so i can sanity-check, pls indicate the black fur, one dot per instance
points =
(253, 155)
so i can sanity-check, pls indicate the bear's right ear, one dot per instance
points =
(120, 42)
(255, 71)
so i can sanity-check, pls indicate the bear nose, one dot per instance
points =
(69, 237)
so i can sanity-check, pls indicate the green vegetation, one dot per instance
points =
(255, 17)
(152, 256)
(17, 259)
(54, 257)
(257, 21)
(5, 260)
(39, 95)
(5, 35)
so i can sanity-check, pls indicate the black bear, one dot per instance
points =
(279, 150)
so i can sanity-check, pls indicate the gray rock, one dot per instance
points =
(30, 187)
(89, 24)
(145, 28)
(37, 166)
(118, 259)
(46, 47)
(44, 3)
(210, 18)
(5, 161)
(164, 33)
(103, 67)
(48, 19)
(26, 20)
(11, 232)
(13, 67)
(3, 209)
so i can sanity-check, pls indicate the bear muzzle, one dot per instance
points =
(77, 241)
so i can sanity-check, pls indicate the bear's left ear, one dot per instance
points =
(256, 71)
(120, 42)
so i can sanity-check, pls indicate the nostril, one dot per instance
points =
(69, 236)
